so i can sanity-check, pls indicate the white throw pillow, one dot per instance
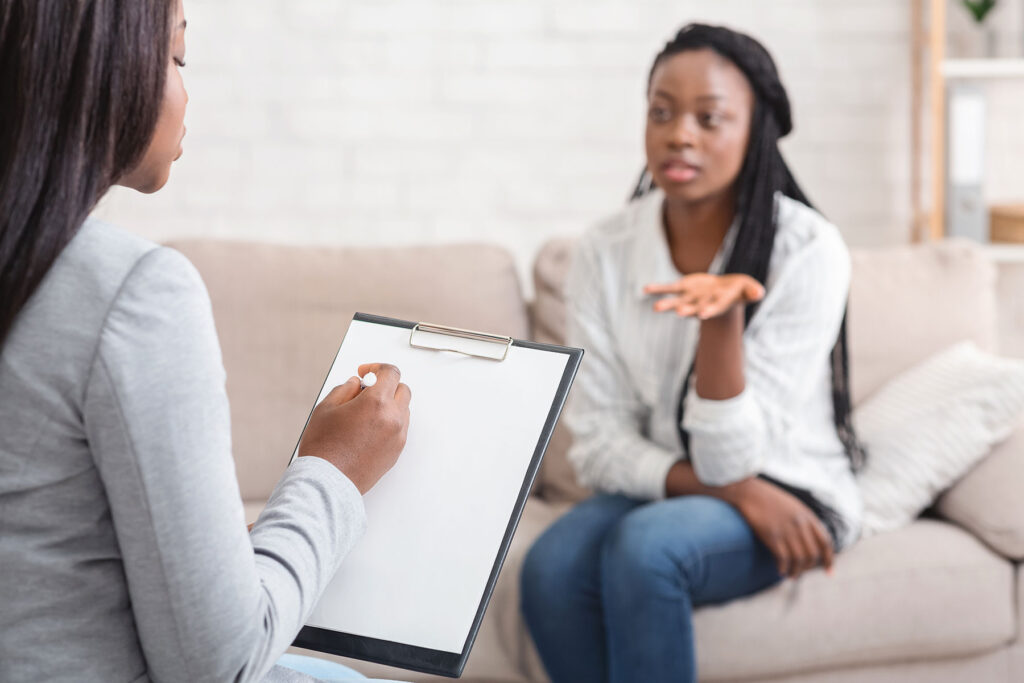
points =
(927, 427)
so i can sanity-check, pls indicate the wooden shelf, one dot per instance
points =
(982, 68)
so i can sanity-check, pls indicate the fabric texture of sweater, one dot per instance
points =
(123, 549)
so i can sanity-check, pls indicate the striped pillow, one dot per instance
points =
(927, 427)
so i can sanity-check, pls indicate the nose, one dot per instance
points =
(684, 132)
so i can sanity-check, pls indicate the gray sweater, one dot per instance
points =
(123, 549)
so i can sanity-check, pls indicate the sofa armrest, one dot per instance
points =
(987, 501)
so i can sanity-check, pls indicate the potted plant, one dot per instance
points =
(979, 10)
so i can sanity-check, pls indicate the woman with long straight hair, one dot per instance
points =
(712, 413)
(123, 550)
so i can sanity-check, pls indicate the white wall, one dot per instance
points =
(406, 121)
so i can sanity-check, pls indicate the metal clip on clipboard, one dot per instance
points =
(466, 342)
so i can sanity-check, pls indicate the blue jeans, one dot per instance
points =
(608, 592)
(322, 669)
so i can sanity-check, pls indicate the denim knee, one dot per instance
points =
(643, 548)
(561, 572)
(546, 575)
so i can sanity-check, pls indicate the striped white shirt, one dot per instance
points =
(623, 409)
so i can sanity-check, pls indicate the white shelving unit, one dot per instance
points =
(982, 68)
(1005, 253)
(931, 79)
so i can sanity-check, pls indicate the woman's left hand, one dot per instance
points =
(787, 527)
(704, 295)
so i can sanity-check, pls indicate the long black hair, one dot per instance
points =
(81, 88)
(763, 174)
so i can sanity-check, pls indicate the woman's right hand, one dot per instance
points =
(789, 528)
(361, 431)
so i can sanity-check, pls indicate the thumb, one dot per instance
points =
(343, 393)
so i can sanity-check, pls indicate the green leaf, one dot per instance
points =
(979, 9)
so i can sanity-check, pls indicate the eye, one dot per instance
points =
(659, 114)
(179, 62)
(711, 119)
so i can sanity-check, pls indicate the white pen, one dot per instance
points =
(368, 380)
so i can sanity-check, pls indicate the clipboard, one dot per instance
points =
(414, 590)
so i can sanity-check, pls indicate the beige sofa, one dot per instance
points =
(940, 600)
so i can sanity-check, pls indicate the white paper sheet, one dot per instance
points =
(437, 519)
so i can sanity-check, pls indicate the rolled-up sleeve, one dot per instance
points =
(609, 452)
(786, 348)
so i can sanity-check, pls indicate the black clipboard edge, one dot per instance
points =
(382, 320)
(384, 652)
(426, 660)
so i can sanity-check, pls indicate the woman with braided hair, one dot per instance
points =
(712, 414)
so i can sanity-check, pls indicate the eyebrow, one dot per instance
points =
(699, 98)
(182, 25)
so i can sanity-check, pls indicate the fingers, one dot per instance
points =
(673, 302)
(403, 395)
(388, 377)
(828, 553)
(702, 307)
(814, 545)
(800, 549)
(795, 554)
(782, 555)
(676, 287)
(704, 295)
(810, 554)
(378, 369)
(344, 392)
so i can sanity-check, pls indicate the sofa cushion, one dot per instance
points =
(505, 609)
(929, 426)
(929, 590)
(909, 302)
(987, 667)
(281, 312)
(1017, 651)
(1010, 307)
(987, 501)
(556, 481)
(550, 269)
(252, 509)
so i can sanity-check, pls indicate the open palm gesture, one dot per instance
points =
(704, 295)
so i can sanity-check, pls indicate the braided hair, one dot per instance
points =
(763, 174)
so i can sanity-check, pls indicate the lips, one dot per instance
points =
(181, 147)
(678, 171)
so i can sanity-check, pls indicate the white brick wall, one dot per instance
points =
(405, 121)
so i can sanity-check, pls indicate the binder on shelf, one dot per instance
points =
(965, 200)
